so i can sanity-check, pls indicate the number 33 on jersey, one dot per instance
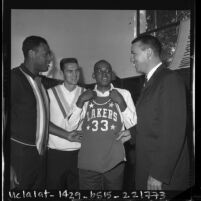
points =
(102, 117)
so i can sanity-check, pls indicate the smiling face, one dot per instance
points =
(139, 57)
(71, 73)
(103, 75)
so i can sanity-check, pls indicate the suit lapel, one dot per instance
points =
(146, 88)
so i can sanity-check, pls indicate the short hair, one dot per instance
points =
(31, 43)
(102, 62)
(150, 41)
(67, 60)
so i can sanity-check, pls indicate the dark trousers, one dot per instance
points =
(29, 166)
(62, 171)
(110, 180)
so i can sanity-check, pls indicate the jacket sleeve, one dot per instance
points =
(172, 121)
(50, 82)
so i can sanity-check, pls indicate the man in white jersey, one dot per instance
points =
(62, 169)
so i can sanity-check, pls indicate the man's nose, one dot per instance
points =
(104, 73)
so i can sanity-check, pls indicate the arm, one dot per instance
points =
(50, 82)
(57, 131)
(125, 102)
(171, 136)
(79, 109)
(124, 136)
(129, 114)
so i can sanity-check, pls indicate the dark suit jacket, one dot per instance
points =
(23, 106)
(28, 165)
(161, 148)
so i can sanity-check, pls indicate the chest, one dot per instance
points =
(102, 116)
(149, 107)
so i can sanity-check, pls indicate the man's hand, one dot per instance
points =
(153, 184)
(13, 178)
(85, 96)
(74, 136)
(118, 98)
(124, 136)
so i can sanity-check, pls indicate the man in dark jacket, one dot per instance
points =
(29, 123)
(162, 160)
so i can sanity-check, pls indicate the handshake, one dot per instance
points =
(114, 95)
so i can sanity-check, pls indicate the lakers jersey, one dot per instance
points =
(100, 151)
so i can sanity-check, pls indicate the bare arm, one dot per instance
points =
(60, 132)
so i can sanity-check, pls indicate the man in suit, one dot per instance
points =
(162, 160)
(29, 123)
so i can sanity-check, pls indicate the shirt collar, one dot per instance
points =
(151, 72)
(25, 70)
(106, 93)
(73, 91)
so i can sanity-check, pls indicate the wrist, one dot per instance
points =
(123, 106)
(79, 103)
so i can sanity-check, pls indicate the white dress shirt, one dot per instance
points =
(151, 72)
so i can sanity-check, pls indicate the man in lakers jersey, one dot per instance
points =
(104, 114)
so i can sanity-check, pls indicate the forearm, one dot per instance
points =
(123, 105)
(57, 131)
(79, 103)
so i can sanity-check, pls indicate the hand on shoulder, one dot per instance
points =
(85, 96)
(118, 98)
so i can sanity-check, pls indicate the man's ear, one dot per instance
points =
(149, 53)
(93, 75)
(31, 53)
